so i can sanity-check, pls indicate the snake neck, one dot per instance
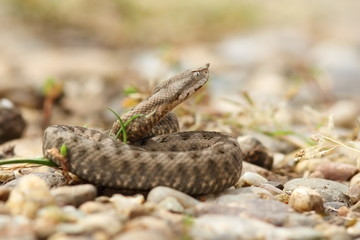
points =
(165, 97)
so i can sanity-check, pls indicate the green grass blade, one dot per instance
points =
(41, 161)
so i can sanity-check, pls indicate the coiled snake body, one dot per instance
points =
(196, 162)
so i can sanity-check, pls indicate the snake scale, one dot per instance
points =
(194, 162)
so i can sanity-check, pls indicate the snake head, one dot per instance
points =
(181, 86)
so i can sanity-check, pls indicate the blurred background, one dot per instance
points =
(64, 61)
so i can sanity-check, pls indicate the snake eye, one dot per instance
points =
(196, 74)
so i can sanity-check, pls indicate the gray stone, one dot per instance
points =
(74, 195)
(216, 227)
(330, 191)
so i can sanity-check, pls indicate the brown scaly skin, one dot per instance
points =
(197, 162)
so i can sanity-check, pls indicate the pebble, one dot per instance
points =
(29, 196)
(4, 193)
(158, 194)
(94, 207)
(269, 175)
(271, 188)
(354, 230)
(149, 223)
(124, 205)
(143, 234)
(333, 232)
(74, 195)
(297, 233)
(52, 178)
(345, 112)
(270, 211)
(330, 191)
(108, 222)
(171, 204)
(331, 208)
(354, 193)
(355, 180)
(304, 199)
(12, 124)
(16, 228)
(255, 152)
(235, 195)
(250, 179)
(337, 171)
(229, 227)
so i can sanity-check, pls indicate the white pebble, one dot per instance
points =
(304, 199)
(29, 196)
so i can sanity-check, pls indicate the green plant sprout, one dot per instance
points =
(123, 125)
(63, 150)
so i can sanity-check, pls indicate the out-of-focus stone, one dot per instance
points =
(158, 194)
(235, 195)
(337, 171)
(345, 113)
(16, 228)
(171, 204)
(304, 199)
(254, 152)
(354, 193)
(12, 124)
(330, 191)
(250, 179)
(124, 205)
(74, 195)
(29, 196)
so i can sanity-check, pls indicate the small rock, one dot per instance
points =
(271, 188)
(12, 124)
(269, 175)
(229, 227)
(254, 152)
(337, 171)
(109, 222)
(171, 204)
(330, 191)
(47, 219)
(354, 230)
(297, 233)
(271, 211)
(304, 199)
(94, 207)
(16, 228)
(29, 196)
(354, 193)
(124, 205)
(143, 234)
(158, 194)
(4, 193)
(332, 208)
(52, 178)
(345, 113)
(74, 195)
(333, 232)
(355, 180)
(250, 179)
(235, 195)
(149, 223)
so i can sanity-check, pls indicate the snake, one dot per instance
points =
(157, 154)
